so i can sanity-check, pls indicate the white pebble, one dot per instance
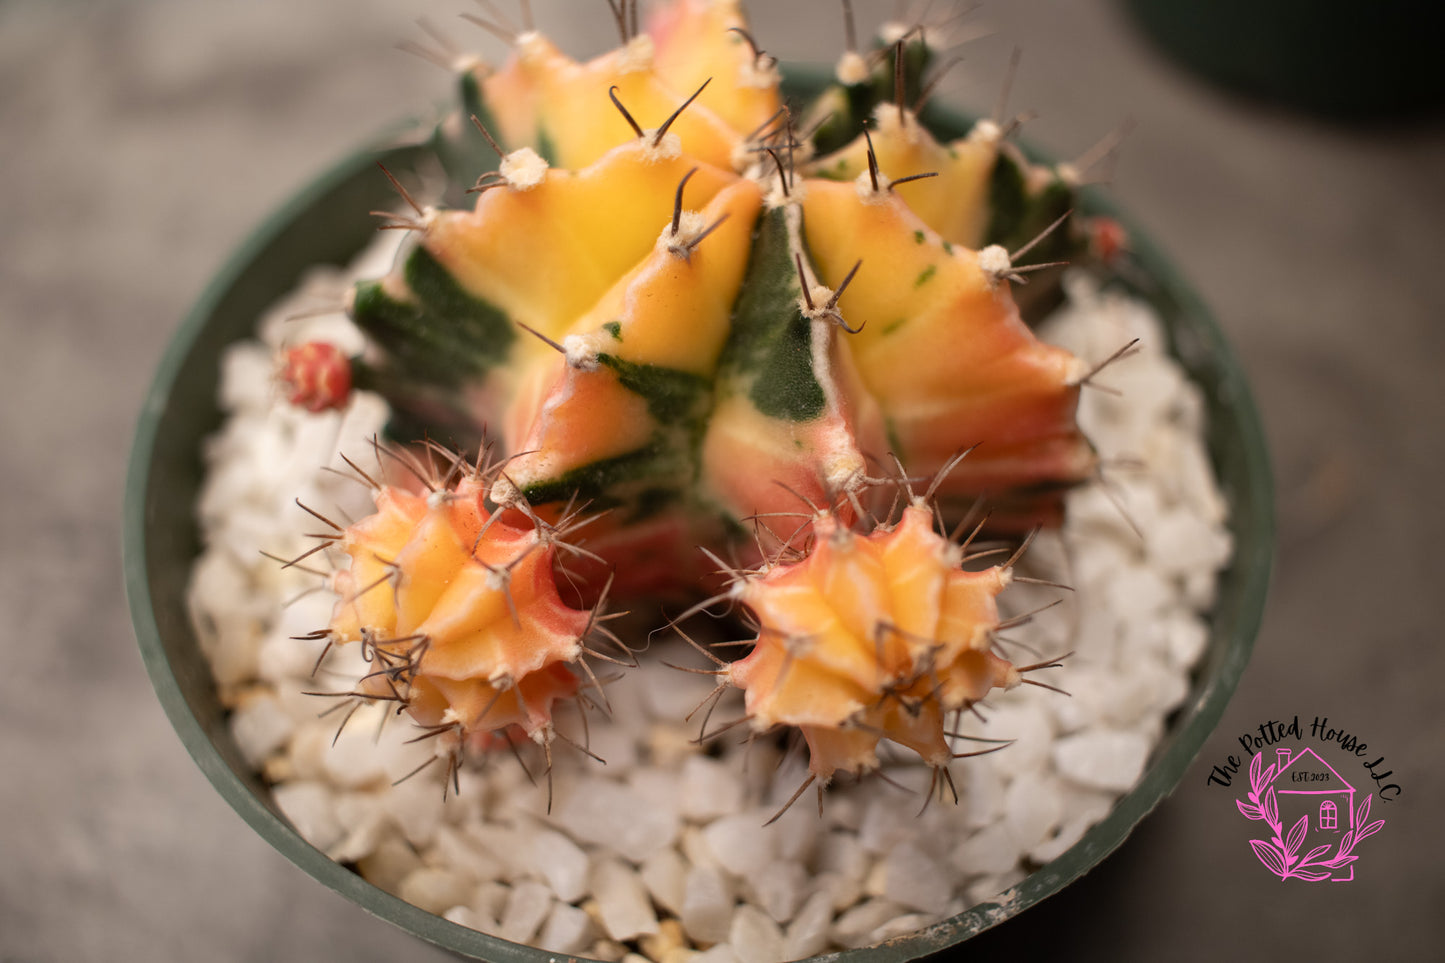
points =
(754, 937)
(353, 761)
(669, 694)
(1030, 728)
(843, 853)
(886, 823)
(740, 842)
(435, 890)
(505, 844)
(1137, 593)
(561, 862)
(1103, 759)
(912, 878)
(844, 811)
(622, 901)
(807, 934)
(416, 806)
(616, 746)
(709, 789)
(366, 824)
(697, 849)
(1183, 543)
(1032, 808)
(779, 888)
(1186, 639)
(490, 899)
(309, 808)
(793, 834)
(980, 791)
(994, 889)
(664, 873)
(389, 863)
(603, 813)
(567, 930)
(260, 727)
(852, 929)
(527, 905)
(463, 916)
(901, 926)
(990, 850)
(842, 891)
(246, 377)
(722, 953)
(454, 849)
(707, 905)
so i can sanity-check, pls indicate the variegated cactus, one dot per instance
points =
(687, 304)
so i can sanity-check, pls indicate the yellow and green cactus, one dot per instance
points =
(674, 306)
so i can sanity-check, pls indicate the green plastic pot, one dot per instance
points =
(328, 222)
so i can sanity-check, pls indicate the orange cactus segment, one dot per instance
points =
(848, 572)
(545, 255)
(468, 510)
(756, 463)
(367, 600)
(943, 350)
(832, 750)
(499, 622)
(973, 675)
(803, 621)
(480, 707)
(695, 40)
(463, 617)
(587, 417)
(784, 685)
(386, 531)
(673, 309)
(426, 565)
(915, 719)
(870, 637)
(513, 91)
(954, 203)
(968, 607)
(543, 96)
(579, 119)
(915, 578)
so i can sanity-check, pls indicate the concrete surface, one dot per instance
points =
(141, 140)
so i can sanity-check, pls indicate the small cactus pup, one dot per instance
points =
(458, 613)
(870, 635)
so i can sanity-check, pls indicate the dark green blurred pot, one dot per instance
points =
(1377, 59)
(328, 223)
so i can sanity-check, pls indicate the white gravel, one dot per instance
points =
(662, 851)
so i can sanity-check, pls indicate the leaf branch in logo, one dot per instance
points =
(1278, 853)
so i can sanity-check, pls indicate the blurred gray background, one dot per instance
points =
(140, 141)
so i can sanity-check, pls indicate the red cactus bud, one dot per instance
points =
(1107, 239)
(315, 376)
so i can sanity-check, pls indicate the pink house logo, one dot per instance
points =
(1301, 790)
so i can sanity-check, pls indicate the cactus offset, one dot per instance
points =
(870, 637)
(675, 307)
(458, 613)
